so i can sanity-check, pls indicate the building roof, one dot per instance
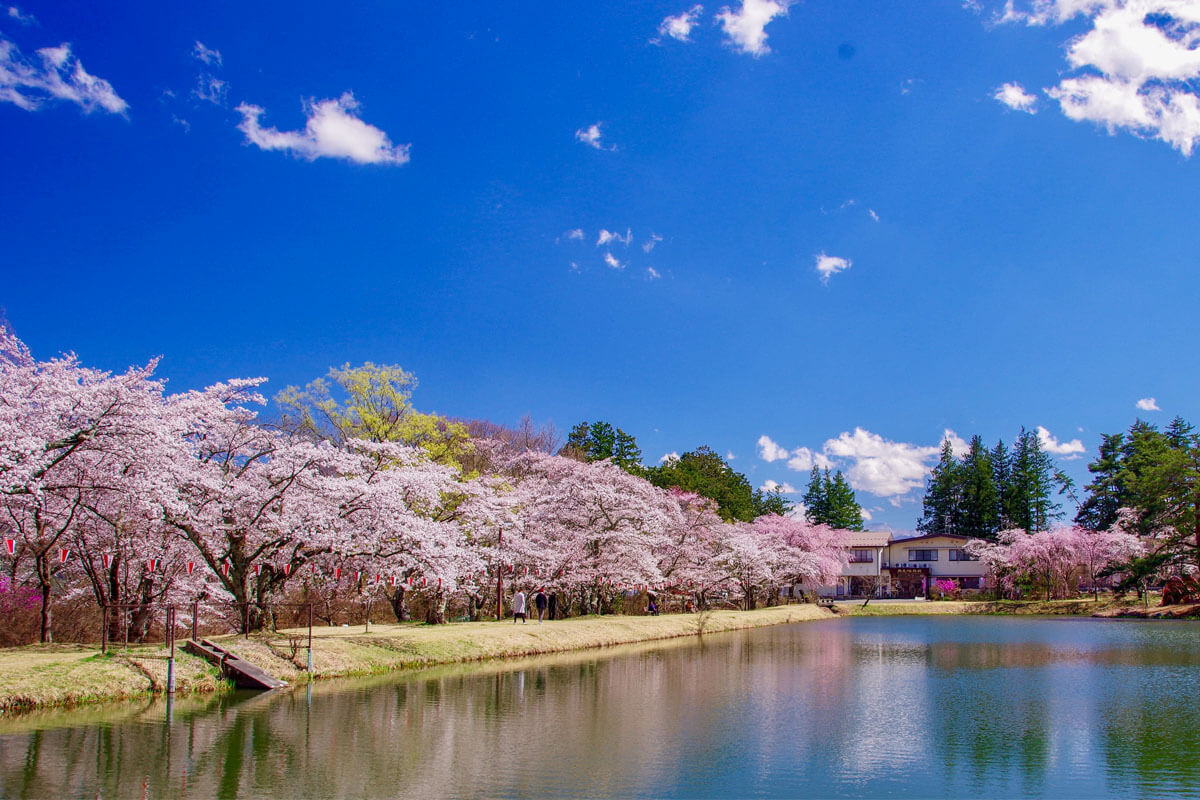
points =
(866, 539)
(953, 536)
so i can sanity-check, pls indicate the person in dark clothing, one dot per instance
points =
(652, 605)
(553, 605)
(540, 601)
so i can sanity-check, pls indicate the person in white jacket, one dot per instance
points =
(518, 607)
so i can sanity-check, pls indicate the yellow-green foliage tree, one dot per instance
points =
(373, 402)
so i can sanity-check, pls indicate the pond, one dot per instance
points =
(867, 707)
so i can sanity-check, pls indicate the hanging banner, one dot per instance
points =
(63, 554)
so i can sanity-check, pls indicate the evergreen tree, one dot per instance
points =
(844, 510)
(600, 440)
(980, 517)
(1001, 478)
(1029, 496)
(942, 506)
(1106, 493)
(704, 472)
(816, 502)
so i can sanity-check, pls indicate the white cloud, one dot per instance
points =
(831, 265)
(881, 467)
(593, 136)
(575, 233)
(769, 451)
(1051, 445)
(680, 27)
(649, 244)
(333, 130)
(210, 89)
(607, 237)
(1136, 66)
(206, 55)
(729, 456)
(803, 460)
(1015, 97)
(58, 76)
(774, 486)
(866, 515)
(21, 17)
(652, 274)
(874, 216)
(745, 28)
(612, 261)
(1148, 404)
(958, 445)
(666, 457)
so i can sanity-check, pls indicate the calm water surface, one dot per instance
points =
(872, 707)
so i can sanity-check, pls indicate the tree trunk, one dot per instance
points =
(47, 634)
(435, 613)
(398, 606)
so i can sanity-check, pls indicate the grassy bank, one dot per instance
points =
(54, 675)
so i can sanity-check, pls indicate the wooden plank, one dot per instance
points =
(244, 674)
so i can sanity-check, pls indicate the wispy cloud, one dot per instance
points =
(1015, 97)
(775, 486)
(649, 244)
(211, 90)
(607, 237)
(333, 130)
(745, 28)
(872, 214)
(1148, 404)
(206, 55)
(55, 75)
(592, 136)
(652, 274)
(828, 265)
(612, 261)
(22, 17)
(680, 26)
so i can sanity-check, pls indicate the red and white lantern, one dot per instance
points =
(152, 565)
(191, 567)
(287, 569)
(11, 544)
(106, 559)
(225, 568)
(63, 555)
(358, 576)
(258, 569)
(337, 573)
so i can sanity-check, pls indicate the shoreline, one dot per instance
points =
(49, 676)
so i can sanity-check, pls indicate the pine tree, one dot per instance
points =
(816, 503)
(980, 500)
(1001, 478)
(1107, 492)
(942, 506)
(1029, 501)
(600, 440)
(844, 510)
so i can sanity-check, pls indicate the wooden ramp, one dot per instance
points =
(245, 675)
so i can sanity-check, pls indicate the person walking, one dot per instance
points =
(652, 600)
(540, 601)
(518, 607)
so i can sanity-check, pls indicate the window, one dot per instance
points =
(861, 556)
(922, 555)
(962, 555)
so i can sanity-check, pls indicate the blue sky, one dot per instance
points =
(817, 231)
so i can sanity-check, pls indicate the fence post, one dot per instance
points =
(195, 618)
(245, 620)
(104, 631)
(310, 663)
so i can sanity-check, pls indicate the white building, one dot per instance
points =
(881, 565)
